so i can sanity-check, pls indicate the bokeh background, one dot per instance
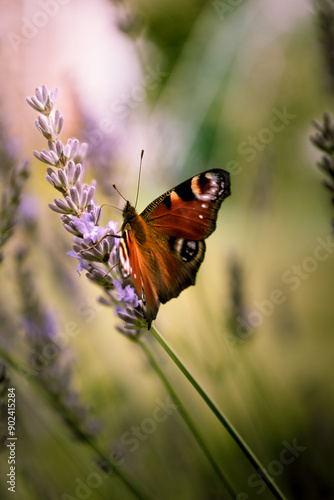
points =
(197, 85)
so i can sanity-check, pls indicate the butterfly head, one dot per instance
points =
(129, 214)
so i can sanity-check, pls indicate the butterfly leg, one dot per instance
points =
(101, 239)
(110, 269)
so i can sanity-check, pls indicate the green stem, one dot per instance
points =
(54, 401)
(221, 417)
(186, 417)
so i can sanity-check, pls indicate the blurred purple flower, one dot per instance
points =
(10, 202)
(324, 141)
(49, 360)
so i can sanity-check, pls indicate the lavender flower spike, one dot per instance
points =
(95, 247)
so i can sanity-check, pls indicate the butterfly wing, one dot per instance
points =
(190, 209)
(137, 262)
(164, 246)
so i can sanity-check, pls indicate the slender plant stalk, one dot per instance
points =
(128, 482)
(221, 417)
(186, 417)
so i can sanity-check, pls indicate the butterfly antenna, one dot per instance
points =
(112, 206)
(139, 176)
(114, 186)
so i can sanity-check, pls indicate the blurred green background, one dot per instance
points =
(197, 84)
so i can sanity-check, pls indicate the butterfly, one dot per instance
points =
(162, 248)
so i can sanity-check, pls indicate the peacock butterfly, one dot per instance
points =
(162, 248)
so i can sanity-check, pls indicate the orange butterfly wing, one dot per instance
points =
(163, 247)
